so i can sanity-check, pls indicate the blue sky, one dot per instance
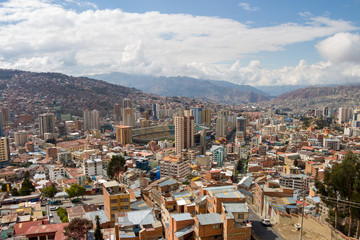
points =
(268, 42)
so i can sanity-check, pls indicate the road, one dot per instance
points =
(263, 232)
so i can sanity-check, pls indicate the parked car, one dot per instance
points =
(266, 222)
(76, 200)
(55, 202)
(53, 208)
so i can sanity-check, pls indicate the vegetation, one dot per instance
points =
(97, 234)
(15, 192)
(340, 188)
(27, 186)
(61, 212)
(75, 190)
(49, 192)
(77, 229)
(116, 165)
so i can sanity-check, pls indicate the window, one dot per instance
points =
(114, 201)
(215, 226)
(114, 208)
(240, 216)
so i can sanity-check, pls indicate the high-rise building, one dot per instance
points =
(128, 117)
(344, 115)
(174, 166)
(197, 113)
(241, 125)
(1, 124)
(184, 133)
(95, 119)
(325, 111)
(220, 127)
(46, 123)
(155, 109)
(203, 141)
(206, 116)
(5, 115)
(126, 103)
(87, 119)
(4, 152)
(123, 134)
(21, 138)
(117, 112)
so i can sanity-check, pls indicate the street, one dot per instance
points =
(262, 231)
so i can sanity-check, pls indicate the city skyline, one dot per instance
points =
(253, 42)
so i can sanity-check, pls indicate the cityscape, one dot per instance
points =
(165, 134)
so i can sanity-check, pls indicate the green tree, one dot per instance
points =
(27, 186)
(77, 229)
(49, 191)
(75, 190)
(14, 192)
(116, 165)
(97, 234)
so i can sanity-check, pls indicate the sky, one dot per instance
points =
(255, 42)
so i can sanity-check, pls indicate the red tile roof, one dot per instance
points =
(58, 229)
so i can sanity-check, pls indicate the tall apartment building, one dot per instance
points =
(155, 109)
(46, 123)
(220, 127)
(123, 134)
(1, 124)
(116, 199)
(197, 113)
(87, 119)
(174, 166)
(184, 133)
(21, 137)
(93, 167)
(4, 152)
(206, 116)
(241, 125)
(117, 112)
(126, 103)
(128, 117)
(344, 115)
(5, 115)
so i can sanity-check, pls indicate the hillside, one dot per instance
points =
(217, 91)
(34, 93)
(320, 96)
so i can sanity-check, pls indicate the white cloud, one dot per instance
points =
(45, 36)
(248, 7)
(342, 47)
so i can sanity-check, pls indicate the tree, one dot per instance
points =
(49, 191)
(75, 190)
(97, 234)
(116, 165)
(14, 192)
(27, 186)
(77, 229)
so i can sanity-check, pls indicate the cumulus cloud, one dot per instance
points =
(342, 47)
(47, 36)
(248, 7)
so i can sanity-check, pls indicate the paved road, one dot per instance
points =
(263, 232)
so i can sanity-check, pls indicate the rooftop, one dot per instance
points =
(209, 218)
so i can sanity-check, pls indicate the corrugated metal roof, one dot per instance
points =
(181, 217)
(209, 218)
(235, 207)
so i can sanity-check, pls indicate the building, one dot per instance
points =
(174, 166)
(117, 112)
(218, 154)
(1, 124)
(93, 167)
(184, 133)
(87, 119)
(325, 112)
(220, 127)
(123, 134)
(6, 117)
(95, 119)
(46, 123)
(56, 172)
(154, 109)
(197, 113)
(295, 181)
(206, 116)
(116, 199)
(345, 115)
(126, 103)
(128, 117)
(4, 152)
(241, 125)
(331, 143)
(21, 138)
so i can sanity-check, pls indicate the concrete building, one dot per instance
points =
(46, 123)
(93, 167)
(241, 125)
(206, 116)
(184, 133)
(117, 112)
(123, 134)
(95, 119)
(177, 166)
(87, 119)
(295, 181)
(220, 127)
(64, 156)
(4, 152)
(344, 115)
(116, 199)
(21, 138)
(56, 172)
(331, 143)
(197, 113)
(128, 117)
(218, 154)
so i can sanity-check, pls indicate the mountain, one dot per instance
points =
(34, 93)
(278, 90)
(312, 97)
(216, 91)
